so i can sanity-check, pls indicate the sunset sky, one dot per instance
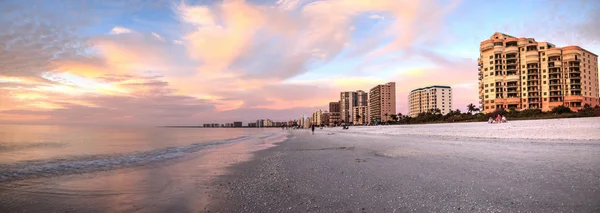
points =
(191, 62)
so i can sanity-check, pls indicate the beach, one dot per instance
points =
(422, 168)
(458, 167)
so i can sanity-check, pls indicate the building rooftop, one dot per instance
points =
(430, 87)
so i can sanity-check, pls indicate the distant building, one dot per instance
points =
(307, 123)
(382, 102)
(260, 123)
(334, 113)
(360, 114)
(428, 99)
(251, 124)
(237, 124)
(215, 125)
(348, 100)
(268, 123)
(301, 122)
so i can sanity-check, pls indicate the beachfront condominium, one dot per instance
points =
(430, 99)
(382, 102)
(334, 113)
(360, 115)
(349, 100)
(522, 73)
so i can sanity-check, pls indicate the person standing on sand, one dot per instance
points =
(313, 129)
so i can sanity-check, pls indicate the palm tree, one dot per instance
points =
(471, 108)
(394, 117)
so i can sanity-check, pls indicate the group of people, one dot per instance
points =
(499, 119)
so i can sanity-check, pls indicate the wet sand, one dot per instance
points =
(181, 185)
(342, 171)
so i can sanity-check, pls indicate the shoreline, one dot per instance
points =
(175, 185)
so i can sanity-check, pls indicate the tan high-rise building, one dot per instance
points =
(382, 102)
(360, 115)
(428, 99)
(522, 73)
(349, 100)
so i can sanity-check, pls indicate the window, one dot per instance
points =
(544, 71)
(523, 94)
(523, 66)
(543, 54)
(544, 76)
(491, 73)
(545, 99)
(491, 57)
(544, 82)
(541, 48)
(491, 62)
(485, 69)
(543, 59)
(545, 93)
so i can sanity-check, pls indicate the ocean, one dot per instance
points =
(33, 151)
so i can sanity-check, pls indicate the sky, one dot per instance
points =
(143, 62)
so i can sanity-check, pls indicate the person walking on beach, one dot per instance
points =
(313, 129)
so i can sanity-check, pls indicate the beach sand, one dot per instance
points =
(522, 166)
(526, 166)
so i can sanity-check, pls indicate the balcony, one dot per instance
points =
(486, 46)
(575, 77)
(533, 73)
(553, 52)
(556, 83)
(512, 49)
(532, 59)
(555, 89)
(570, 57)
(556, 94)
(575, 83)
(554, 77)
(498, 49)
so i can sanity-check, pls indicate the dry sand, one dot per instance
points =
(551, 129)
(470, 167)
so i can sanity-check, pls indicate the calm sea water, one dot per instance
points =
(39, 150)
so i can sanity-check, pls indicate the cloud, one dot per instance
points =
(119, 30)
(226, 60)
(374, 16)
(157, 36)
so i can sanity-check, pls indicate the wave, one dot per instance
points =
(84, 164)
(7, 147)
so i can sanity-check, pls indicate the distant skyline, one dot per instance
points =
(194, 62)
